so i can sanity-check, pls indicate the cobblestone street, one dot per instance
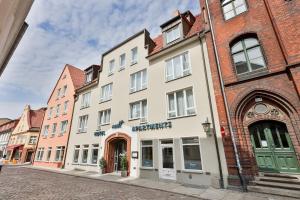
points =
(23, 183)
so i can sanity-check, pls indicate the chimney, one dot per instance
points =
(176, 13)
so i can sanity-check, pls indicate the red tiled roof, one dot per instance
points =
(77, 76)
(36, 118)
(8, 125)
(197, 27)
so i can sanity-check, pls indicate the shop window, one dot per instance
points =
(247, 55)
(231, 8)
(85, 101)
(95, 150)
(85, 152)
(178, 66)
(76, 154)
(181, 103)
(104, 117)
(82, 126)
(106, 92)
(59, 155)
(138, 81)
(138, 110)
(191, 153)
(147, 153)
(49, 153)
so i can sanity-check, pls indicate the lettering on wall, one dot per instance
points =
(154, 126)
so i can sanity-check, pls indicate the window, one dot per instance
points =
(138, 109)
(122, 61)
(54, 128)
(178, 66)
(85, 102)
(147, 154)
(111, 67)
(49, 153)
(76, 153)
(181, 103)
(58, 93)
(232, 8)
(57, 110)
(95, 150)
(134, 55)
(63, 126)
(59, 155)
(191, 153)
(82, 126)
(46, 130)
(64, 91)
(106, 92)
(172, 34)
(50, 113)
(65, 107)
(85, 152)
(40, 153)
(32, 140)
(88, 76)
(104, 117)
(247, 55)
(138, 81)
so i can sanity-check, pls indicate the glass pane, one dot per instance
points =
(147, 157)
(171, 102)
(240, 9)
(192, 158)
(257, 63)
(229, 15)
(139, 81)
(275, 137)
(180, 103)
(240, 63)
(94, 156)
(167, 157)
(256, 138)
(132, 82)
(225, 1)
(227, 8)
(169, 70)
(149, 142)
(144, 109)
(191, 140)
(189, 98)
(185, 60)
(144, 79)
(250, 42)
(84, 156)
(283, 137)
(237, 47)
(177, 67)
(167, 142)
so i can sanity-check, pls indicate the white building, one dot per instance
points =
(149, 102)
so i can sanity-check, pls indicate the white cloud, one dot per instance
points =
(42, 54)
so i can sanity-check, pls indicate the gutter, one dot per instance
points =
(237, 159)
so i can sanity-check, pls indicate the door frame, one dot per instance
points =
(161, 169)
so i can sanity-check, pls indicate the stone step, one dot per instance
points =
(274, 191)
(278, 185)
(278, 180)
(277, 175)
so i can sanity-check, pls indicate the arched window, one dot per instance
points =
(247, 55)
(232, 8)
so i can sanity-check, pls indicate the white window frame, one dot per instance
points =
(62, 125)
(143, 83)
(85, 147)
(88, 76)
(65, 107)
(141, 108)
(172, 31)
(47, 155)
(234, 8)
(32, 139)
(141, 162)
(185, 104)
(86, 100)
(100, 114)
(64, 90)
(182, 154)
(54, 129)
(183, 72)
(109, 97)
(40, 154)
(46, 131)
(120, 61)
(134, 57)
(57, 110)
(61, 150)
(58, 93)
(94, 146)
(111, 66)
(76, 147)
(50, 112)
(83, 121)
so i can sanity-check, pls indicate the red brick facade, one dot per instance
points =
(276, 24)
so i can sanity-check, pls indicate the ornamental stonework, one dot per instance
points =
(264, 110)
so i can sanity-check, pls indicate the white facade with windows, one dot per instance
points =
(159, 102)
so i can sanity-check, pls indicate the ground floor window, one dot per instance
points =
(147, 153)
(95, 150)
(85, 152)
(40, 153)
(59, 155)
(76, 153)
(191, 153)
(49, 153)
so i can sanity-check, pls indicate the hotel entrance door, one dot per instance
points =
(167, 166)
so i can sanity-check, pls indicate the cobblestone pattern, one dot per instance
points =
(23, 183)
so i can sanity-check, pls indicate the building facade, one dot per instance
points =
(23, 140)
(12, 26)
(254, 52)
(54, 136)
(149, 103)
(5, 132)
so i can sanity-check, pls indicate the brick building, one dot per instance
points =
(254, 52)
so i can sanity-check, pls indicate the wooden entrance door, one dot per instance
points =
(273, 148)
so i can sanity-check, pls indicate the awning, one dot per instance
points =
(12, 147)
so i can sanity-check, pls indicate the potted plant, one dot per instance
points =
(123, 165)
(103, 165)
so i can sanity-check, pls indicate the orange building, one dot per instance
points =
(54, 135)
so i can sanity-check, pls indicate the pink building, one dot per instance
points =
(54, 135)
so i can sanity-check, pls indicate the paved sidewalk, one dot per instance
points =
(208, 193)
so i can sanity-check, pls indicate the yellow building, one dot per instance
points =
(23, 140)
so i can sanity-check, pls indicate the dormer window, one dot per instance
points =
(88, 76)
(172, 34)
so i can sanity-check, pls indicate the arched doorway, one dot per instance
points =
(116, 145)
(272, 146)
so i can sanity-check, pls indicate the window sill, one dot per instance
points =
(64, 113)
(192, 171)
(105, 101)
(133, 63)
(138, 90)
(253, 74)
(134, 119)
(147, 168)
(81, 108)
(104, 124)
(80, 132)
(110, 74)
(121, 68)
(193, 115)
(167, 81)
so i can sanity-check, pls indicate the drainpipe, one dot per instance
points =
(221, 181)
(242, 180)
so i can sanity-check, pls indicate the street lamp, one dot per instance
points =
(206, 127)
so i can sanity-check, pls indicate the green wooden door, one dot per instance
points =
(273, 148)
